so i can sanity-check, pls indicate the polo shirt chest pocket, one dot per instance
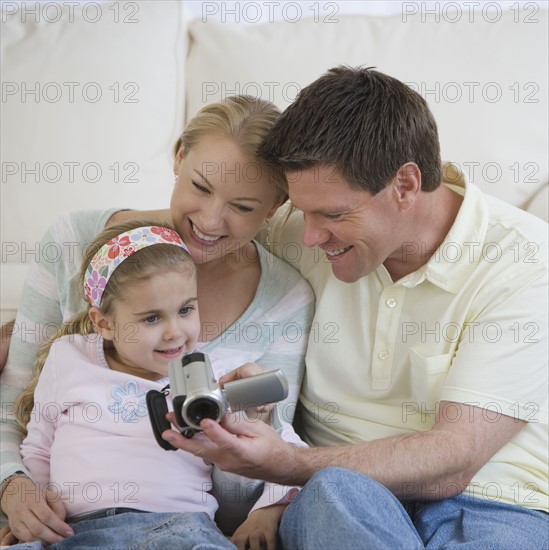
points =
(427, 378)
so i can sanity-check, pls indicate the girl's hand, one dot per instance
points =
(244, 371)
(32, 514)
(257, 412)
(6, 537)
(260, 530)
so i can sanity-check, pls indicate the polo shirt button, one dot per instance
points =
(383, 354)
(391, 302)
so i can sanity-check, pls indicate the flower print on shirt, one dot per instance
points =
(129, 403)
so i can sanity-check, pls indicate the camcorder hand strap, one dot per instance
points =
(158, 408)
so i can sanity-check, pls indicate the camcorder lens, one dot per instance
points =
(202, 408)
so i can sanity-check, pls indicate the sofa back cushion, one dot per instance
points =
(484, 77)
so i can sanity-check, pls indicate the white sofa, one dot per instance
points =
(94, 96)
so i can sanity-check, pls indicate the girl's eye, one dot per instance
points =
(151, 319)
(184, 311)
(200, 187)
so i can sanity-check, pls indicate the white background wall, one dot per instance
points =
(250, 12)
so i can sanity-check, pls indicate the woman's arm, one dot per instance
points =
(121, 216)
(28, 522)
(5, 337)
(50, 294)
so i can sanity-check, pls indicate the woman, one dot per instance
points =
(253, 307)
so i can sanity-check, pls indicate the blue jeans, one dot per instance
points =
(116, 529)
(342, 509)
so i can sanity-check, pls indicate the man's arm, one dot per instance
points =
(432, 465)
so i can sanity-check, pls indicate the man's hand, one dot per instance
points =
(33, 515)
(5, 338)
(246, 447)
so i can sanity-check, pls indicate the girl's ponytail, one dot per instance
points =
(79, 324)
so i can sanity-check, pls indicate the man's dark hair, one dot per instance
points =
(364, 123)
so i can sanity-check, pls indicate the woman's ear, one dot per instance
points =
(101, 323)
(178, 158)
(277, 204)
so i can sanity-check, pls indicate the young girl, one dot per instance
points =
(89, 442)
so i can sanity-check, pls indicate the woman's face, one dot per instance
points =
(220, 198)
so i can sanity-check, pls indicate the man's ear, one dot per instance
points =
(102, 325)
(407, 185)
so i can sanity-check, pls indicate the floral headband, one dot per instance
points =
(118, 249)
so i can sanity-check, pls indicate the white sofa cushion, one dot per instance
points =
(92, 104)
(485, 82)
(539, 203)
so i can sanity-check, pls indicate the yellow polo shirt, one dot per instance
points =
(469, 326)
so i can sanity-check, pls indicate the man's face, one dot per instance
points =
(358, 231)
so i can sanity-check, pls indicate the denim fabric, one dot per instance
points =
(341, 509)
(141, 531)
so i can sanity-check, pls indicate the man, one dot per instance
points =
(425, 398)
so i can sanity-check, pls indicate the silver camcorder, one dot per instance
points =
(196, 395)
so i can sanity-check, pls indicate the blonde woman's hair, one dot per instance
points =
(246, 121)
(140, 266)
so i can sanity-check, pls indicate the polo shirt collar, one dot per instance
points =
(459, 254)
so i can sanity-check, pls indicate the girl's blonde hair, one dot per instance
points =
(246, 121)
(140, 266)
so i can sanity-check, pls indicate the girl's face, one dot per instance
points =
(220, 198)
(154, 323)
